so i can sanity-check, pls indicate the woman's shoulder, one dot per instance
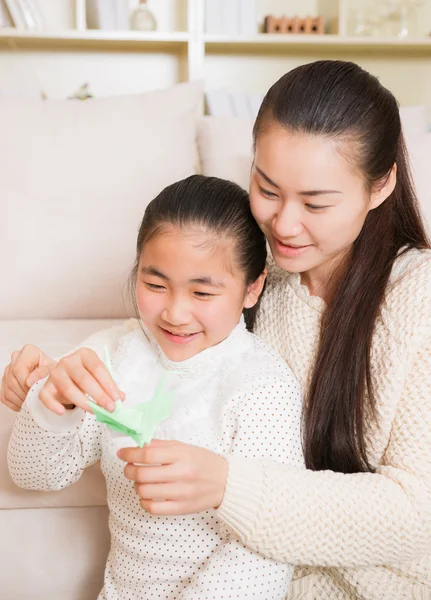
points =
(407, 306)
(411, 276)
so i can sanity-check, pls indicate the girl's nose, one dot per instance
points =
(176, 313)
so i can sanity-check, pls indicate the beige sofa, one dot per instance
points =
(75, 180)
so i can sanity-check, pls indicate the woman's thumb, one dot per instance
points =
(37, 374)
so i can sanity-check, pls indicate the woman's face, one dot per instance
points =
(308, 200)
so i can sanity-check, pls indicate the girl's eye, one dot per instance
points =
(203, 295)
(267, 193)
(156, 288)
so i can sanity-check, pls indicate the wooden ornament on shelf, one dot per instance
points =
(309, 25)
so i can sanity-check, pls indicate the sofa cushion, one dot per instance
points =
(419, 148)
(55, 338)
(75, 179)
(225, 148)
(53, 554)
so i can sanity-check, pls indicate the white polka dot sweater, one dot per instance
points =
(238, 397)
(363, 536)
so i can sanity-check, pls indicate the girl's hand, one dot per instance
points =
(185, 479)
(27, 366)
(76, 377)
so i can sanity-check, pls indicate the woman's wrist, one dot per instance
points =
(244, 494)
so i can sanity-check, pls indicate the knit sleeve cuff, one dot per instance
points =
(244, 495)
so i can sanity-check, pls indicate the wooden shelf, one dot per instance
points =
(169, 41)
(276, 43)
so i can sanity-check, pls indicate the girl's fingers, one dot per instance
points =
(158, 453)
(95, 366)
(24, 362)
(149, 474)
(38, 373)
(161, 491)
(14, 388)
(56, 400)
(85, 381)
(164, 508)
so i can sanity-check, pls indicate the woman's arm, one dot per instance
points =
(332, 519)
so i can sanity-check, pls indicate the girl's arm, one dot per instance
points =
(49, 451)
(45, 460)
(332, 519)
(266, 425)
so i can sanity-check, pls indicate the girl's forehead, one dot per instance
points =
(188, 249)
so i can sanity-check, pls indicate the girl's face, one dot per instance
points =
(189, 292)
(308, 200)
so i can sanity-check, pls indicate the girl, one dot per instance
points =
(348, 305)
(200, 264)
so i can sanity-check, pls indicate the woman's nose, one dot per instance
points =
(287, 222)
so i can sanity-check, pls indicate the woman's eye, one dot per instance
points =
(314, 207)
(267, 193)
(156, 288)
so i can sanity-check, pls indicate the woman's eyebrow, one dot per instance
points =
(266, 177)
(319, 192)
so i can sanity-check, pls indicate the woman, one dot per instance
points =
(348, 305)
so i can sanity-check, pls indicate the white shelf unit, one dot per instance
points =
(251, 62)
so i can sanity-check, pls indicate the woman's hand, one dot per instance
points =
(27, 366)
(75, 378)
(185, 479)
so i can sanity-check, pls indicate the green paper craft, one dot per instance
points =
(138, 422)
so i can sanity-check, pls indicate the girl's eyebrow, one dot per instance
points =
(208, 281)
(205, 280)
(153, 271)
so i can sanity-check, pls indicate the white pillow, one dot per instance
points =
(75, 178)
(419, 148)
(225, 148)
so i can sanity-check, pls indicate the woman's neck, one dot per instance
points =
(322, 280)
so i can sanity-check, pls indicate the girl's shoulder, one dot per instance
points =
(262, 366)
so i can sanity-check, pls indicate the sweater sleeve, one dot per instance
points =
(48, 451)
(266, 424)
(344, 520)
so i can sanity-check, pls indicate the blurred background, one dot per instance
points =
(62, 48)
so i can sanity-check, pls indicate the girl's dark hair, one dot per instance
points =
(340, 101)
(218, 207)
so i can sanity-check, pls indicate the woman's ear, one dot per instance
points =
(254, 290)
(380, 194)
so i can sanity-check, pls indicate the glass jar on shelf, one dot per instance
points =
(142, 18)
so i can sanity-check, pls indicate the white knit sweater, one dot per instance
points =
(238, 397)
(365, 536)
